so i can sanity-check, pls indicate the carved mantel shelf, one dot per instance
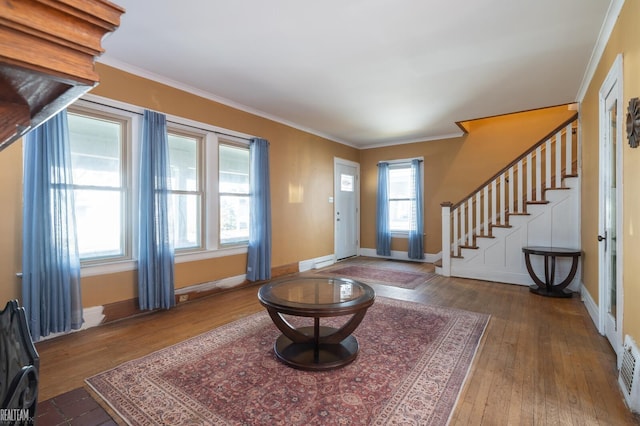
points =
(47, 55)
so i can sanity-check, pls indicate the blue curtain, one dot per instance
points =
(259, 251)
(416, 230)
(383, 234)
(50, 260)
(155, 257)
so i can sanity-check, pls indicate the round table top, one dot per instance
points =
(558, 251)
(313, 295)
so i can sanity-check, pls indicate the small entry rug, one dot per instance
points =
(376, 275)
(412, 363)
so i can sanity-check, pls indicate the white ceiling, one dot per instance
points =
(365, 72)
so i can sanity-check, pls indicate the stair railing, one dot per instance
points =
(508, 192)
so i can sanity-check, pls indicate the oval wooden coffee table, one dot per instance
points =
(316, 347)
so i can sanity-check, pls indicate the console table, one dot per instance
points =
(547, 287)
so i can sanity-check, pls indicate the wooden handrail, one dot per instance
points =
(520, 157)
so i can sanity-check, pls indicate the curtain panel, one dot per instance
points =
(416, 230)
(383, 233)
(51, 291)
(259, 250)
(156, 254)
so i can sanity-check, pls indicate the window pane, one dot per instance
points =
(97, 160)
(95, 150)
(234, 194)
(185, 213)
(183, 160)
(234, 170)
(346, 183)
(399, 215)
(401, 197)
(98, 223)
(400, 182)
(234, 218)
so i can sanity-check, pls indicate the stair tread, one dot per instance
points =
(538, 202)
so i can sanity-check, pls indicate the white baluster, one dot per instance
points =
(547, 165)
(494, 200)
(478, 220)
(470, 219)
(511, 206)
(519, 180)
(486, 210)
(558, 160)
(502, 200)
(568, 134)
(463, 222)
(539, 173)
(529, 172)
(455, 231)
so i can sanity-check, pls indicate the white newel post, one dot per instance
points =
(446, 238)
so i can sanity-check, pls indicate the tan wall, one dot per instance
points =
(10, 222)
(455, 167)
(624, 40)
(302, 226)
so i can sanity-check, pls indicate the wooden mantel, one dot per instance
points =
(47, 55)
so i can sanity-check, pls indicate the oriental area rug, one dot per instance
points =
(412, 364)
(376, 275)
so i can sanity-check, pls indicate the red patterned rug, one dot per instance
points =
(412, 363)
(375, 275)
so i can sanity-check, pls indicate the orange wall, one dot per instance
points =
(625, 40)
(10, 222)
(455, 167)
(302, 226)
(301, 181)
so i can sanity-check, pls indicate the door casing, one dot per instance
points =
(611, 87)
(339, 233)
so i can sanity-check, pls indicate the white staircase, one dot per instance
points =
(534, 201)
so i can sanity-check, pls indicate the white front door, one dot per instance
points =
(610, 211)
(346, 206)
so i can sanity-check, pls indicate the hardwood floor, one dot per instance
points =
(542, 360)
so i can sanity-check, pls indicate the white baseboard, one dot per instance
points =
(210, 285)
(592, 308)
(92, 316)
(401, 255)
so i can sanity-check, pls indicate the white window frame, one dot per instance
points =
(407, 162)
(238, 143)
(128, 228)
(212, 136)
(200, 137)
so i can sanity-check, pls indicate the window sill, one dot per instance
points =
(210, 254)
(132, 265)
(399, 234)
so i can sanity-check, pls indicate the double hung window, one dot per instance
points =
(209, 188)
(186, 192)
(100, 181)
(234, 193)
(401, 197)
